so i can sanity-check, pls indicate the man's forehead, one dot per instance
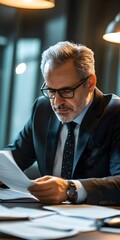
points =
(51, 65)
(48, 66)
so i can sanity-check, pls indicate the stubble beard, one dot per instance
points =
(63, 112)
(68, 114)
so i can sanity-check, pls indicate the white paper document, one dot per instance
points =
(110, 230)
(12, 175)
(63, 222)
(19, 213)
(9, 194)
(23, 230)
(83, 210)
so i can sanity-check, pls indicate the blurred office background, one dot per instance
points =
(24, 34)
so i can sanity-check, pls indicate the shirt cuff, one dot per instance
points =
(82, 194)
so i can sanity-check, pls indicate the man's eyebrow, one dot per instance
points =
(66, 87)
(60, 89)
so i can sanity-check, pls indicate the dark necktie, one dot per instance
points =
(68, 153)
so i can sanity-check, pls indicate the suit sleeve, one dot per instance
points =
(106, 191)
(103, 191)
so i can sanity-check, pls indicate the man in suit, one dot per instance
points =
(70, 94)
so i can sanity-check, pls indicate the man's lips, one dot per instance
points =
(61, 109)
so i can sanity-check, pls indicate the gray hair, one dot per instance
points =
(81, 56)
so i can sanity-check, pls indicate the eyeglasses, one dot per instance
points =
(67, 92)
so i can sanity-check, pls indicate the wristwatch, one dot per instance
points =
(71, 192)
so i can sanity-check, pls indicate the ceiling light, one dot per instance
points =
(112, 33)
(21, 68)
(29, 4)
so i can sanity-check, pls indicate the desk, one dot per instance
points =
(96, 235)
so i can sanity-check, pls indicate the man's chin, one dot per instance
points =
(64, 117)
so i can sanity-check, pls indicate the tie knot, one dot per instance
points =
(71, 126)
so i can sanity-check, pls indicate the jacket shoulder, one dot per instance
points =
(42, 104)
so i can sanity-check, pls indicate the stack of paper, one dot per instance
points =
(7, 195)
(33, 224)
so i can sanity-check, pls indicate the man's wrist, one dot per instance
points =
(82, 193)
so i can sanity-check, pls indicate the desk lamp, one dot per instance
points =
(112, 33)
(29, 4)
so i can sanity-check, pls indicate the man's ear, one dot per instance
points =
(92, 82)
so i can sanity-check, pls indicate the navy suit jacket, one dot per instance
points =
(97, 159)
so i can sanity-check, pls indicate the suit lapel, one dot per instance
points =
(90, 121)
(52, 140)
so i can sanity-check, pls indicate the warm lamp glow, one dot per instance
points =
(29, 4)
(112, 33)
(112, 37)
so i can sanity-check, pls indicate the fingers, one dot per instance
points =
(45, 178)
(44, 184)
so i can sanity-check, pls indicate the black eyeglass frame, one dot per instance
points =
(69, 89)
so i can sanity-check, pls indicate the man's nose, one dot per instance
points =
(58, 99)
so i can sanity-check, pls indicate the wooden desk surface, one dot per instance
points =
(96, 235)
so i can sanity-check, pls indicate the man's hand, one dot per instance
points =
(49, 189)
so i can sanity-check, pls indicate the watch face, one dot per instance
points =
(72, 193)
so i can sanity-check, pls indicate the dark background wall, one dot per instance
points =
(81, 21)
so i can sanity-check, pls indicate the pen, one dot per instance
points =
(111, 222)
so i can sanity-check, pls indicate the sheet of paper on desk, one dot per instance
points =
(85, 211)
(11, 174)
(63, 222)
(49, 227)
(23, 230)
(7, 214)
(19, 213)
(110, 230)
